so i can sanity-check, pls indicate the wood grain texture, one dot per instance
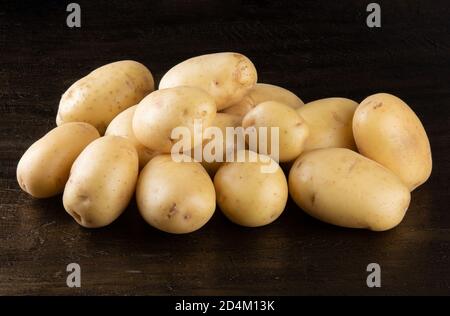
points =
(314, 48)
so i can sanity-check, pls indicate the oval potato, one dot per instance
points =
(105, 92)
(44, 168)
(163, 110)
(248, 195)
(122, 125)
(227, 77)
(341, 187)
(102, 181)
(167, 202)
(388, 131)
(330, 123)
(262, 92)
(293, 131)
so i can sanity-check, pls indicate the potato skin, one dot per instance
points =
(105, 92)
(293, 131)
(102, 181)
(227, 77)
(342, 187)
(44, 168)
(388, 131)
(169, 203)
(249, 197)
(330, 123)
(163, 110)
(122, 125)
(263, 92)
(222, 121)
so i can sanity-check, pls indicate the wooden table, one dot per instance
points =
(317, 49)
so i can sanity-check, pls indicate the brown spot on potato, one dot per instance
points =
(76, 216)
(83, 197)
(313, 198)
(298, 164)
(185, 112)
(337, 118)
(187, 216)
(172, 211)
(378, 105)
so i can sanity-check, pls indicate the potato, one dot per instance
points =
(163, 110)
(227, 77)
(122, 125)
(341, 187)
(175, 197)
(104, 93)
(44, 168)
(330, 123)
(102, 181)
(222, 121)
(293, 131)
(247, 195)
(262, 92)
(388, 131)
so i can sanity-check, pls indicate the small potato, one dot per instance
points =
(263, 92)
(163, 110)
(44, 168)
(122, 125)
(227, 77)
(102, 181)
(247, 195)
(293, 131)
(175, 197)
(341, 187)
(104, 93)
(388, 131)
(222, 121)
(329, 122)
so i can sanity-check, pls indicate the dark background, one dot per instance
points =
(316, 49)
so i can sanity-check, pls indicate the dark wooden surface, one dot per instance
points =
(315, 48)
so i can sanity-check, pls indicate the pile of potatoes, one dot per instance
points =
(348, 164)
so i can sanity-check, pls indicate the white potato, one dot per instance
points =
(105, 92)
(158, 114)
(44, 168)
(248, 195)
(102, 181)
(342, 187)
(330, 123)
(175, 197)
(227, 77)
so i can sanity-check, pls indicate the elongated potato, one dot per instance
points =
(102, 181)
(341, 187)
(175, 197)
(122, 125)
(330, 123)
(263, 92)
(247, 195)
(388, 131)
(163, 110)
(44, 168)
(293, 131)
(227, 77)
(104, 93)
